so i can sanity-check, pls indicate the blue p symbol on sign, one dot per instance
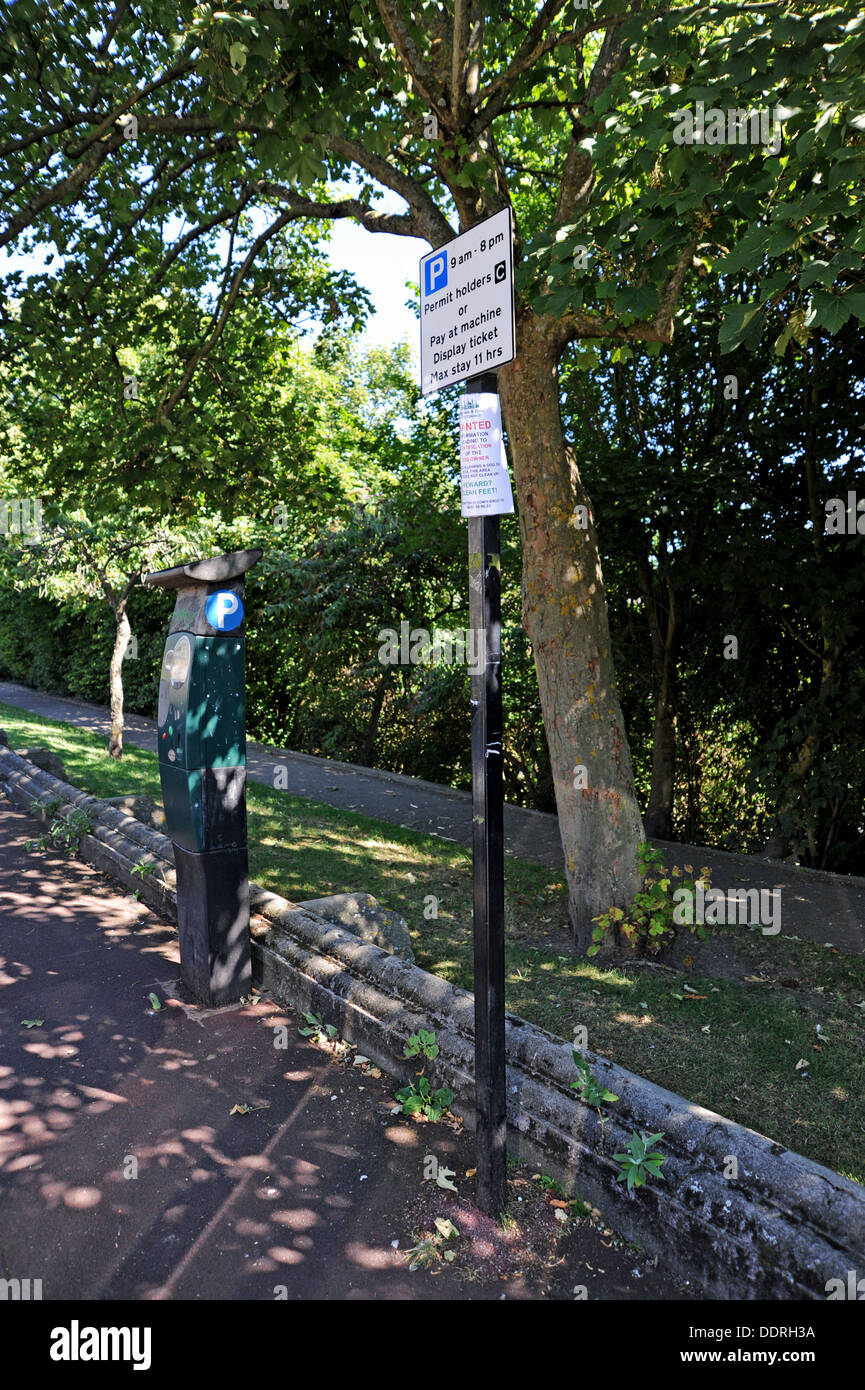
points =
(224, 610)
(435, 273)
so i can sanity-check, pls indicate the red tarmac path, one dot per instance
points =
(309, 1193)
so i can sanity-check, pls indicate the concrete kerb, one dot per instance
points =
(780, 1226)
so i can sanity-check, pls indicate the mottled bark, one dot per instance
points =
(122, 635)
(565, 616)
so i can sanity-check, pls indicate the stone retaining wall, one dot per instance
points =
(778, 1229)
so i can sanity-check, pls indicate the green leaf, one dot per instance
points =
(830, 311)
(736, 320)
(638, 301)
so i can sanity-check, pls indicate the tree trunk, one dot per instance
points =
(367, 751)
(809, 749)
(122, 635)
(659, 812)
(565, 616)
(658, 822)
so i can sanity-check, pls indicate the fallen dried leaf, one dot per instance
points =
(446, 1227)
(443, 1177)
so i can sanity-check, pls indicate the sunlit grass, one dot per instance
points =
(734, 1052)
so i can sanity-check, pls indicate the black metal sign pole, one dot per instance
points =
(485, 617)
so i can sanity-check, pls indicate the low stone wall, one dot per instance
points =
(779, 1227)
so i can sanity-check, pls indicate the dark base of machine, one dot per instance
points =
(213, 924)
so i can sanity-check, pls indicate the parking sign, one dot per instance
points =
(467, 305)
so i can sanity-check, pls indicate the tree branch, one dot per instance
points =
(398, 223)
(459, 51)
(423, 78)
(435, 227)
(228, 301)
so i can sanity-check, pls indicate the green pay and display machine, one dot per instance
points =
(201, 732)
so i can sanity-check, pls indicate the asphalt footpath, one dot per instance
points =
(829, 908)
(125, 1176)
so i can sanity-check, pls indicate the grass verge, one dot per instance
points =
(734, 1050)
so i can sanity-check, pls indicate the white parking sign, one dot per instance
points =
(467, 305)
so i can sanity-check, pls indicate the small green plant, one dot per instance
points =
(63, 832)
(50, 806)
(141, 869)
(320, 1032)
(649, 923)
(420, 1098)
(431, 1248)
(581, 1210)
(422, 1044)
(636, 1163)
(548, 1184)
(591, 1091)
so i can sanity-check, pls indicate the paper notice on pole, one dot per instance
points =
(485, 484)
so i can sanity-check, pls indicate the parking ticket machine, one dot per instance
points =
(201, 732)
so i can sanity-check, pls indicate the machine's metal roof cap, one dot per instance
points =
(219, 569)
